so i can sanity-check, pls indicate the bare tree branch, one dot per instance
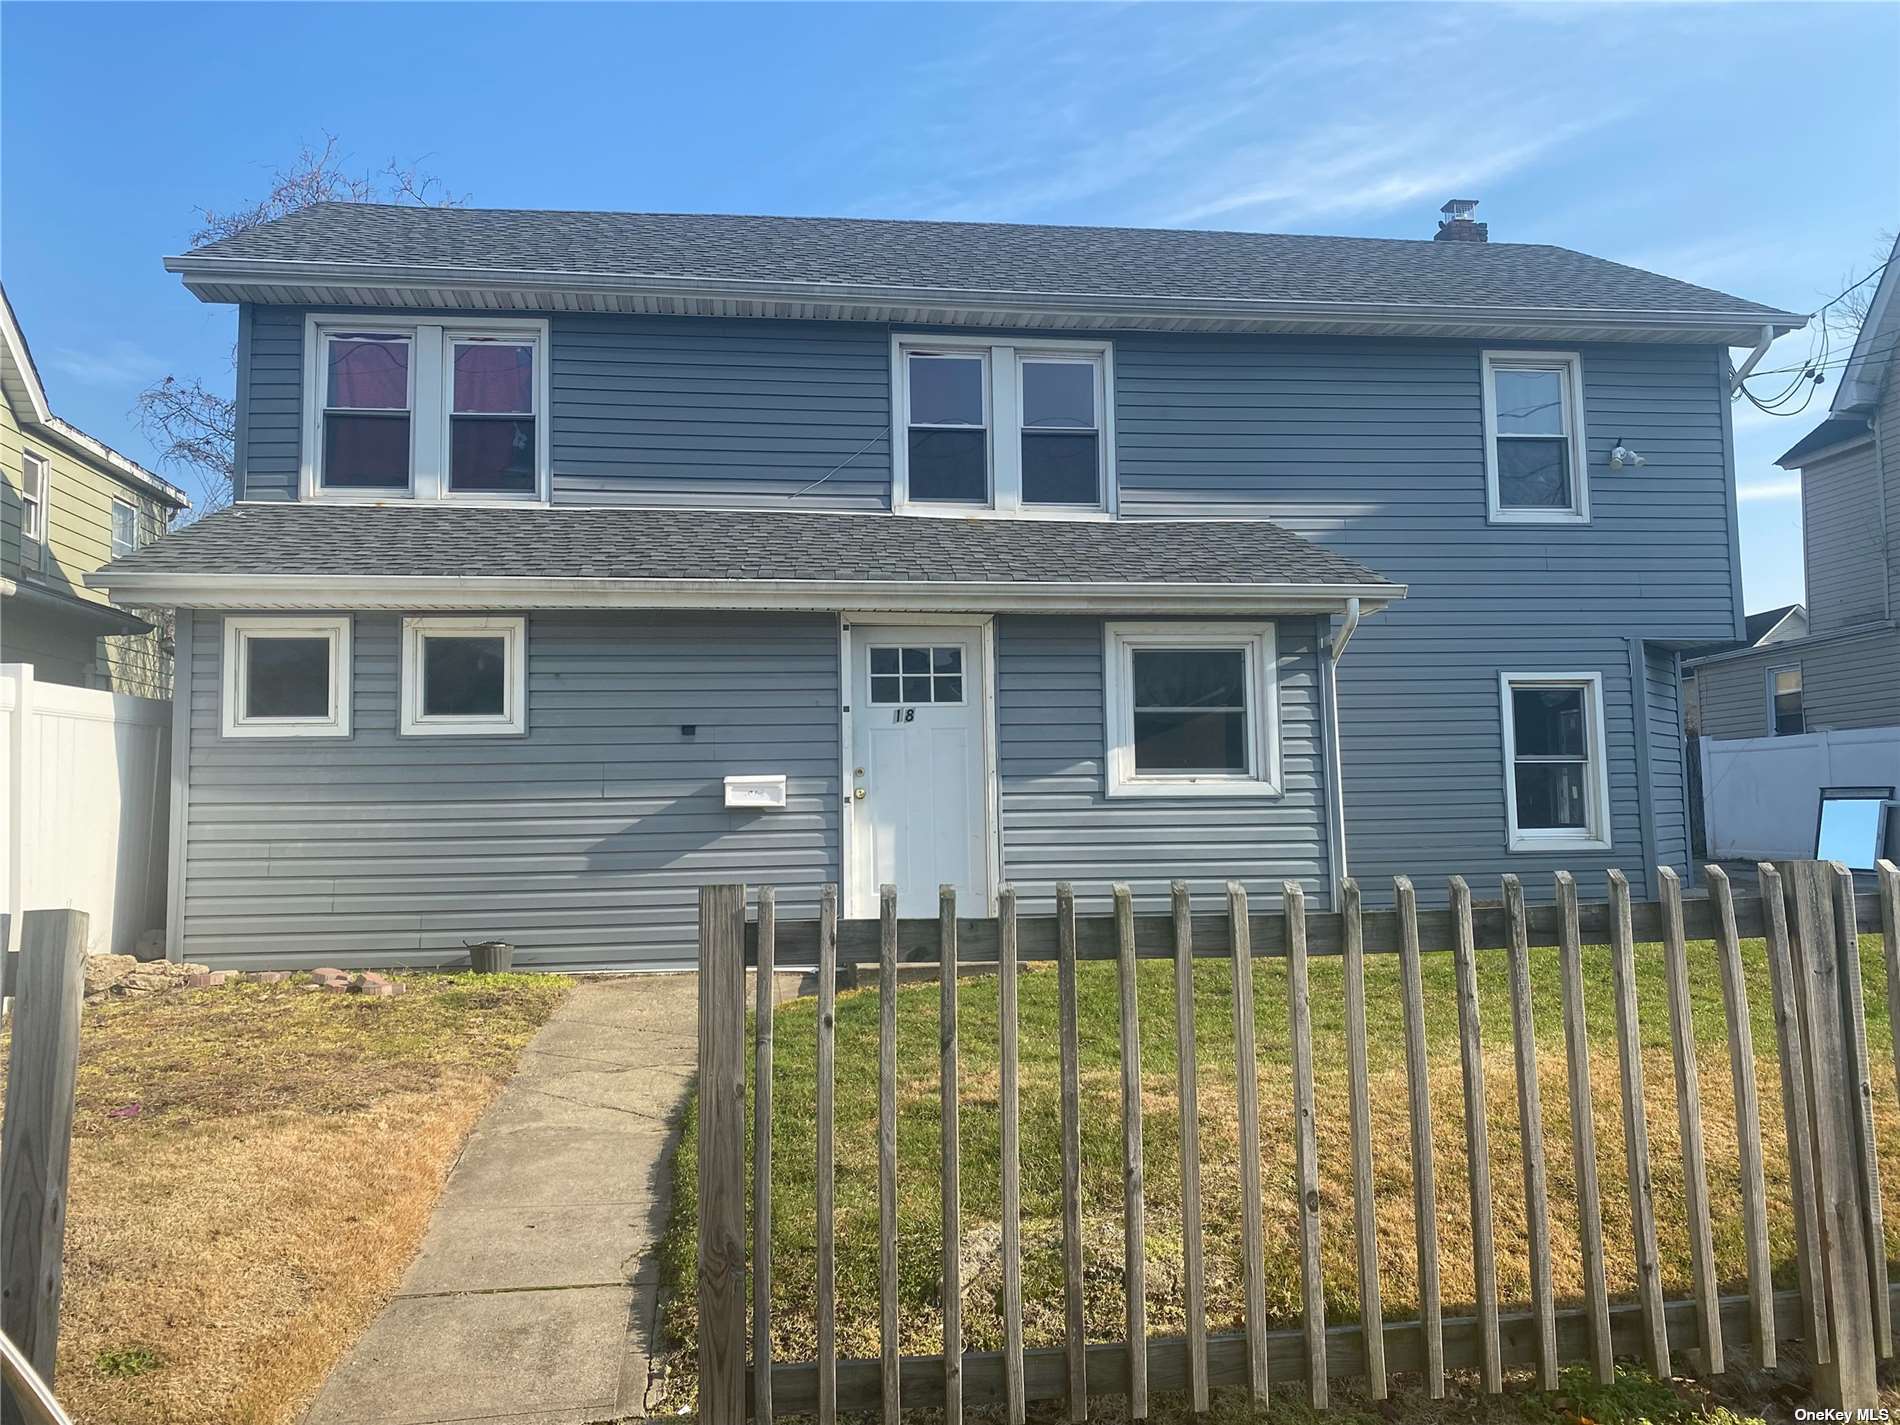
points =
(195, 424)
(195, 429)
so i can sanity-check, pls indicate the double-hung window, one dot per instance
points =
(125, 527)
(1192, 710)
(430, 410)
(1533, 438)
(1556, 779)
(1786, 715)
(464, 676)
(1001, 427)
(287, 676)
(36, 486)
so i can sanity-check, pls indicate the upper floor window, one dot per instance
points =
(1533, 434)
(994, 426)
(1786, 715)
(433, 410)
(125, 527)
(35, 490)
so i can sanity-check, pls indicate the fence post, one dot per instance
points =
(37, 1142)
(722, 1236)
(1834, 1071)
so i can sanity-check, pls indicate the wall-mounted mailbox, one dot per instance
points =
(758, 793)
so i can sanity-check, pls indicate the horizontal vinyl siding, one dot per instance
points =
(653, 410)
(705, 412)
(583, 842)
(1668, 770)
(272, 392)
(1058, 825)
(1845, 683)
(1844, 543)
(1376, 448)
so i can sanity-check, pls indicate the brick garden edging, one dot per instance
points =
(125, 976)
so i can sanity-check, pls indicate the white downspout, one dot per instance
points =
(1335, 786)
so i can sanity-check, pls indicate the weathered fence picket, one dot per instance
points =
(1074, 1320)
(1695, 1172)
(1134, 1196)
(1583, 1135)
(1807, 913)
(1187, 1093)
(1419, 1094)
(1359, 1117)
(1010, 1137)
(1484, 1260)
(1305, 1142)
(1741, 1053)
(36, 1145)
(1253, 1266)
(1530, 1127)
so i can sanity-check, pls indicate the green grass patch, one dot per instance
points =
(919, 1219)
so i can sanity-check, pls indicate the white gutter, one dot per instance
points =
(1335, 761)
(413, 592)
(1768, 336)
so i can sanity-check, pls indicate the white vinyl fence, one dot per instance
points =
(1761, 795)
(85, 779)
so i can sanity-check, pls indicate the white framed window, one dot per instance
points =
(426, 410)
(1556, 775)
(36, 485)
(464, 677)
(1787, 717)
(1534, 465)
(287, 676)
(125, 527)
(996, 427)
(1193, 710)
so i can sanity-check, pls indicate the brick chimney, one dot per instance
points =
(1460, 223)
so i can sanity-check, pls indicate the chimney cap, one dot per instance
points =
(1461, 208)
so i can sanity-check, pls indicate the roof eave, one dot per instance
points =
(92, 448)
(223, 279)
(412, 592)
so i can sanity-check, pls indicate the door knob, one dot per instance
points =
(859, 794)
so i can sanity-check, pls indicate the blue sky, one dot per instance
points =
(1750, 148)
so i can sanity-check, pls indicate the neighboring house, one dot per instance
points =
(1779, 625)
(1844, 671)
(68, 503)
(580, 559)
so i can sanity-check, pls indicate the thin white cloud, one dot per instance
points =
(1785, 487)
(117, 363)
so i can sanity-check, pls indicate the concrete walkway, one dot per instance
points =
(532, 1301)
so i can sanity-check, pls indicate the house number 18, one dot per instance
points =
(903, 714)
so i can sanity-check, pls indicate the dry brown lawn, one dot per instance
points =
(252, 1169)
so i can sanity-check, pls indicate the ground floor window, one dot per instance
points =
(464, 676)
(1786, 713)
(1557, 786)
(287, 676)
(1192, 710)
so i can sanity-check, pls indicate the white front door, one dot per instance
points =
(919, 770)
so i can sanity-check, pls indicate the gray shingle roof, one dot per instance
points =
(534, 543)
(973, 257)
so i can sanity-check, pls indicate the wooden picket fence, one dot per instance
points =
(1808, 913)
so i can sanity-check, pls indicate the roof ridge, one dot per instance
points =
(975, 223)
